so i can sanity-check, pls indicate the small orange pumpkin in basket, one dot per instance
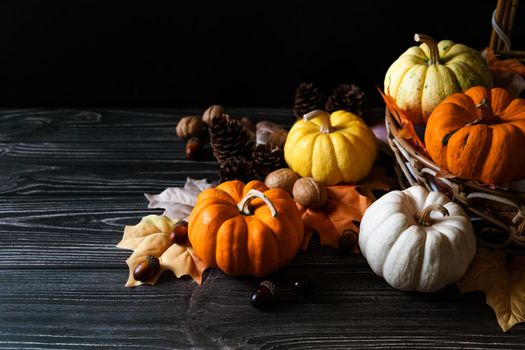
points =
(479, 135)
(245, 229)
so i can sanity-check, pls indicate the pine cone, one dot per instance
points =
(229, 138)
(348, 97)
(236, 168)
(266, 159)
(307, 98)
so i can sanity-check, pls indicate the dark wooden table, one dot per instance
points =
(69, 182)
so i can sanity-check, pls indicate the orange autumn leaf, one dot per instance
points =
(407, 130)
(502, 282)
(344, 207)
(151, 237)
(512, 65)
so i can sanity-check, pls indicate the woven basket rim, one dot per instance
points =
(392, 128)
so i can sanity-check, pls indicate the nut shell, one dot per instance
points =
(309, 192)
(190, 126)
(282, 178)
(278, 137)
(213, 111)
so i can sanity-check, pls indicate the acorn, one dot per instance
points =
(179, 235)
(304, 285)
(190, 126)
(263, 297)
(193, 148)
(146, 269)
(282, 178)
(309, 192)
(348, 241)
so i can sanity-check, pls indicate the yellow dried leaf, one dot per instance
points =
(151, 237)
(502, 282)
(154, 244)
(181, 261)
(133, 235)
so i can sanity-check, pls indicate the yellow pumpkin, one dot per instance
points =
(331, 148)
(425, 75)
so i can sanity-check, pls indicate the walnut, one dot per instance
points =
(309, 192)
(282, 178)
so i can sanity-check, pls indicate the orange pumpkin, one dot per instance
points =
(245, 229)
(479, 135)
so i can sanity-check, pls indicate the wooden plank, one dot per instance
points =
(95, 125)
(98, 178)
(352, 308)
(82, 231)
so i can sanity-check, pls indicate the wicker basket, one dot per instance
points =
(503, 210)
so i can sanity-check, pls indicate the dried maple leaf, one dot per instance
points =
(512, 65)
(345, 206)
(407, 130)
(502, 282)
(508, 74)
(178, 202)
(151, 237)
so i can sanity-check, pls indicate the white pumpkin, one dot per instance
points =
(417, 240)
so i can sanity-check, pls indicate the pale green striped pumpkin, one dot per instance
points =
(425, 75)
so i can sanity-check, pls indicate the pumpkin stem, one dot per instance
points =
(244, 204)
(423, 218)
(485, 113)
(326, 125)
(432, 45)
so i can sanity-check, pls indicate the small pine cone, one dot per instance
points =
(348, 97)
(307, 98)
(236, 168)
(229, 138)
(266, 159)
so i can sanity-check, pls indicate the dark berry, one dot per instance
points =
(179, 234)
(146, 269)
(264, 296)
(304, 285)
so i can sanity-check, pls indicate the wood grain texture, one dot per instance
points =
(94, 125)
(69, 182)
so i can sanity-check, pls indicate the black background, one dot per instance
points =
(194, 53)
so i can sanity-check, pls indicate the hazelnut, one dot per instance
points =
(282, 178)
(190, 126)
(309, 192)
(213, 111)
(278, 137)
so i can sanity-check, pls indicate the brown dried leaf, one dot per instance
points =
(502, 282)
(151, 237)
